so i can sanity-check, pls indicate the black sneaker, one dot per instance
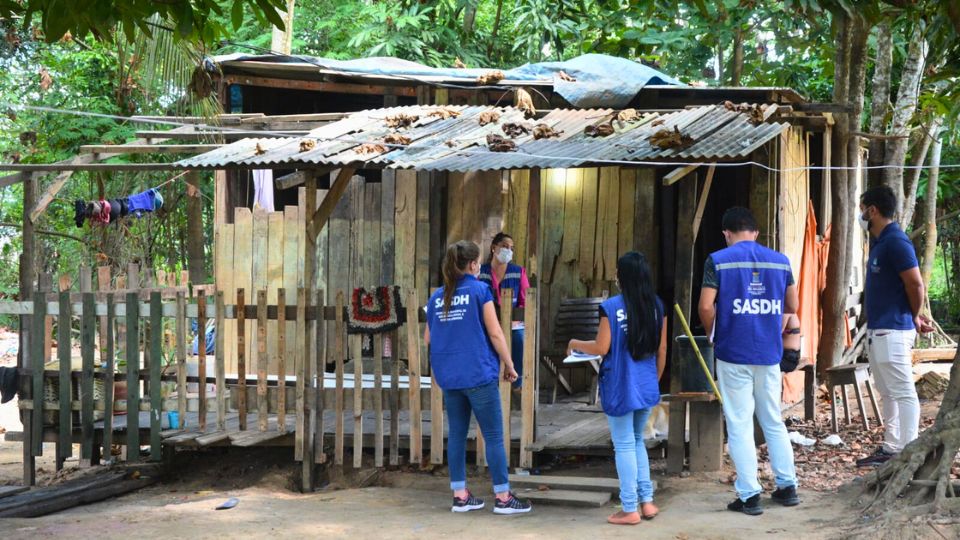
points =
(466, 505)
(513, 505)
(875, 459)
(786, 496)
(751, 507)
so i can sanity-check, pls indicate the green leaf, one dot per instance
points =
(236, 14)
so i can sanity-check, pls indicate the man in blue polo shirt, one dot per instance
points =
(747, 289)
(893, 295)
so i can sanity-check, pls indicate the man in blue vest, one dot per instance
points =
(894, 295)
(746, 290)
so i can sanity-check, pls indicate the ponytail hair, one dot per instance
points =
(459, 255)
(636, 285)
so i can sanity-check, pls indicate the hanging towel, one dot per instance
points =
(157, 199)
(263, 189)
(79, 212)
(143, 202)
(114, 210)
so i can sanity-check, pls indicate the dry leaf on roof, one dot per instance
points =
(458, 63)
(451, 143)
(658, 122)
(600, 130)
(396, 138)
(515, 129)
(444, 112)
(490, 77)
(563, 76)
(543, 131)
(259, 150)
(489, 117)
(370, 148)
(307, 144)
(496, 143)
(628, 115)
(400, 120)
(523, 101)
(756, 112)
(666, 138)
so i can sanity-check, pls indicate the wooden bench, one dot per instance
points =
(853, 375)
(577, 318)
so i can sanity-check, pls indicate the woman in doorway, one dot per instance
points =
(466, 349)
(634, 354)
(500, 273)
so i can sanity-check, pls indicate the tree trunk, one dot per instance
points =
(469, 18)
(896, 149)
(282, 40)
(917, 159)
(880, 102)
(496, 29)
(195, 239)
(930, 212)
(736, 58)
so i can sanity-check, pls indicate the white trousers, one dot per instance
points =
(891, 361)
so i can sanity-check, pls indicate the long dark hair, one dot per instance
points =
(500, 237)
(459, 255)
(639, 296)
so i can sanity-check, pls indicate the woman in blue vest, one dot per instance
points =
(634, 354)
(466, 348)
(500, 273)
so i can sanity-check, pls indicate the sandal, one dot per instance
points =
(648, 515)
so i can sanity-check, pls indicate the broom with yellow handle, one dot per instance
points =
(696, 350)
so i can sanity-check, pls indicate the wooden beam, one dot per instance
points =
(226, 134)
(823, 107)
(298, 178)
(51, 192)
(322, 214)
(675, 175)
(319, 86)
(117, 149)
(702, 202)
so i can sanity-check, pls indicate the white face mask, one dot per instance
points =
(505, 255)
(864, 222)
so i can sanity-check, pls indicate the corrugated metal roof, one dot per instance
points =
(440, 141)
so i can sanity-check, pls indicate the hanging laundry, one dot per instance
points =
(147, 201)
(263, 189)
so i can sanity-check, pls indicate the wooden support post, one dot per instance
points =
(702, 201)
(313, 225)
(181, 337)
(356, 352)
(378, 400)
(31, 331)
(202, 355)
(133, 376)
(156, 358)
(282, 360)
(683, 296)
(413, 357)
(706, 436)
(318, 219)
(319, 370)
(341, 336)
(506, 387)
(301, 382)
(37, 364)
(262, 360)
(436, 421)
(64, 322)
(108, 382)
(395, 402)
(220, 360)
(528, 388)
(88, 331)
(241, 359)
(678, 174)
(533, 226)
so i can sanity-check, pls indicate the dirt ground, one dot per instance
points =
(405, 504)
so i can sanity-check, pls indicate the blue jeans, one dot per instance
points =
(484, 402)
(745, 389)
(633, 466)
(516, 351)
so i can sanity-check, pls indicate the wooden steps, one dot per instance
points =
(565, 497)
(575, 483)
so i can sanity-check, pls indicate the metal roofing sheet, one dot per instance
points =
(439, 140)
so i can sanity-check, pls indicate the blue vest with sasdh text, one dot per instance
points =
(752, 283)
(511, 280)
(626, 383)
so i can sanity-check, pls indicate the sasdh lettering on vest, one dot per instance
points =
(458, 300)
(757, 306)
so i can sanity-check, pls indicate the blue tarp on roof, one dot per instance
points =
(600, 80)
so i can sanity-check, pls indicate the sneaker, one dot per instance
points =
(875, 459)
(751, 506)
(467, 504)
(512, 505)
(786, 496)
